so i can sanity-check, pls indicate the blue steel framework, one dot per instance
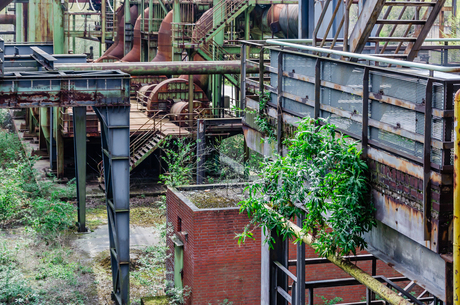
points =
(108, 93)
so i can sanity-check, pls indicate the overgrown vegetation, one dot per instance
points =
(323, 178)
(224, 161)
(151, 273)
(180, 158)
(36, 222)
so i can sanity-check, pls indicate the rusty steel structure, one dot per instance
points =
(405, 136)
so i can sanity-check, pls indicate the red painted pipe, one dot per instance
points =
(7, 19)
(117, 49)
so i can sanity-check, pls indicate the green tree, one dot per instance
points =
(323, 178)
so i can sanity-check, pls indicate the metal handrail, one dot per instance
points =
(154, 126)
(410, 64)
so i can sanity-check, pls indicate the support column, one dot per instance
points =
(278, 278)
(115, 154)
(19, 26)
(59, 144)
(306, 19)
(219, 16)
(52, 141)
(300, 267)
(264, 271)
(79, 142)
(176, 19)
(128, 28)
(200, 151)
(59, 44)
(191, 88)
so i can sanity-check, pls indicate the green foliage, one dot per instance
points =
(151, 273)
(180, 158)
(262, 118)
(10, 148)
(51, 216)
(224, 302)
(323, 178)
(14, 287)
(22, 200)
(331, 301)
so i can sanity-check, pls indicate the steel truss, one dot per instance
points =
(115, 152)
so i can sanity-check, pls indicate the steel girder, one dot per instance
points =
(115, 152)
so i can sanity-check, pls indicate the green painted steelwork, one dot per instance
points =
(19, 22)
(58, 29)
(79, 126)
(178, 261)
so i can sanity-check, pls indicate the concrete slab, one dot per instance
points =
(97, 241)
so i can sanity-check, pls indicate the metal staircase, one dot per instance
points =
(226, 11)
(145, 141)
(415, 26)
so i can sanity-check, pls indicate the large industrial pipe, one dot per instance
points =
(281, 19)
(7, 19)
(164, 50)
(165, 68)
(135, 54)
(116, 51)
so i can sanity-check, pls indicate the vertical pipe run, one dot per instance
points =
(79, 139)
(317, 88)
(200, 146)
(365, 114)
(456, 218)
(190, 100)
(279, 133)
(243, 77)
(103, 22)
(300, 267)
(74, 45)
(150, 18)
(52, 145)
(427, 160)
(128, 28)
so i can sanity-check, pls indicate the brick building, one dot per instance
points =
(216, 268)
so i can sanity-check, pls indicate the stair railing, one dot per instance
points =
(222, 11)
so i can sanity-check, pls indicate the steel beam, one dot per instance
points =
(115, 154)
(65, 89)
(79, 141)
(164, 68)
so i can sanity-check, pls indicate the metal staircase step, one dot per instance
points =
(388, 21)
(391, 55)
(408, 3)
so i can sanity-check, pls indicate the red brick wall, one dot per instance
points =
(215, 267)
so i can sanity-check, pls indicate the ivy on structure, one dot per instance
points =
(262, 118)
(323, 178)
